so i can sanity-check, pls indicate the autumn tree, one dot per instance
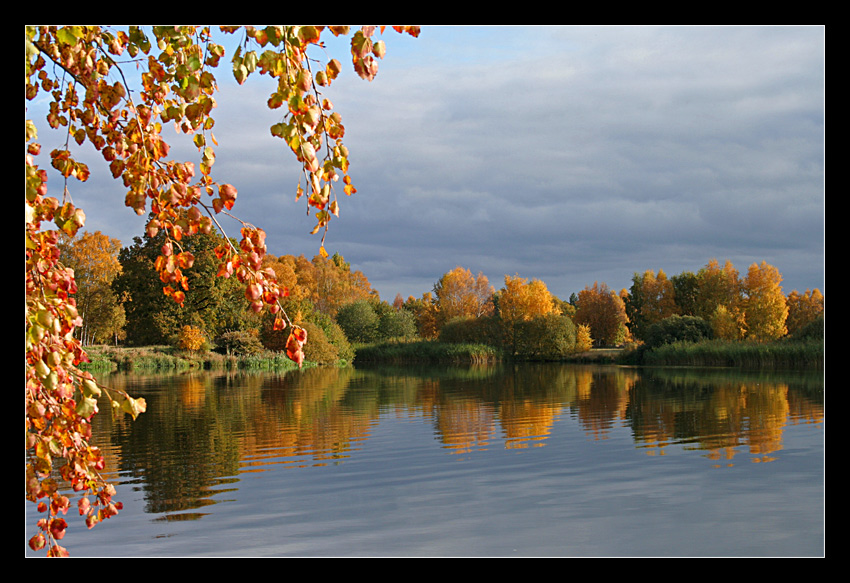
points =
(336, 284)
(603, 311)
(94, 259)
(120, 109)
(424, 312)
(726, 324)
(522, 299)
(458, 293)
(764, 304)
(584, 339)
(718, 286)
(803, 309)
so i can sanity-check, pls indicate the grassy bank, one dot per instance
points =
(781, 355)
(802, 355)
(167, 358)
(426, 351)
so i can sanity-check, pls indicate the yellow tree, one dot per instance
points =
(424, 311)
(718, 286)
(458, 293)
(284, 267)
(336, 285)
(91, 100)
(659, 300)
(522, 299)
(765, 309)
(726, 325)
(803, 308)
(584, 339)
(94, 259)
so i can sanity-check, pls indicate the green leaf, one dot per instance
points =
(69, 34)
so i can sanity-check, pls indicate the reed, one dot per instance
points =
(426, 351)
(801, 355)
(167, 358)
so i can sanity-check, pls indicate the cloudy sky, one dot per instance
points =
(568, 154)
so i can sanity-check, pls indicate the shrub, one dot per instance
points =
(396, 324)
(191, 338)
(336, 336)
(677, 329)
(812, 331)
(548, 337)
(359, 321)
(469, 330)
(584, 341)
(239, 342)
(318, 348)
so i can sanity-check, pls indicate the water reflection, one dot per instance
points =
(202, 431)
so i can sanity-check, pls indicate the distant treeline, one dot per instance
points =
(736, 320)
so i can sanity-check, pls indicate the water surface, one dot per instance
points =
(501, 460)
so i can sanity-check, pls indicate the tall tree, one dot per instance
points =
(458, 293)
(765, 308)
(94, 259)
(651, 299)
(76, 71)
(685, 286)
(336, 285)
(522, 299)
(803, 309)
(212, 304)
(424, 312)
(603, 311)
(718, 286)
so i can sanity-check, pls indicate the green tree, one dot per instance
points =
(396, 324)
(359, 321)
(678, 329)
(685, 290)
(213, 304)
(546, 337)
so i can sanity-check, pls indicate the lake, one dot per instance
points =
(507, 460)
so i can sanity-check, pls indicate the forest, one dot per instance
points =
(120, 299)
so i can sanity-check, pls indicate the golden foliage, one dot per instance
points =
(191, 338)
(765, 307)
(803, 308)
(521, 299)
(460, 294)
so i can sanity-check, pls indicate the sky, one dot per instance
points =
(572, 155)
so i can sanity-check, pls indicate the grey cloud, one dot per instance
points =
(571, 154)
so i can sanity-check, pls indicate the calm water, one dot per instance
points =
(537, 460)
